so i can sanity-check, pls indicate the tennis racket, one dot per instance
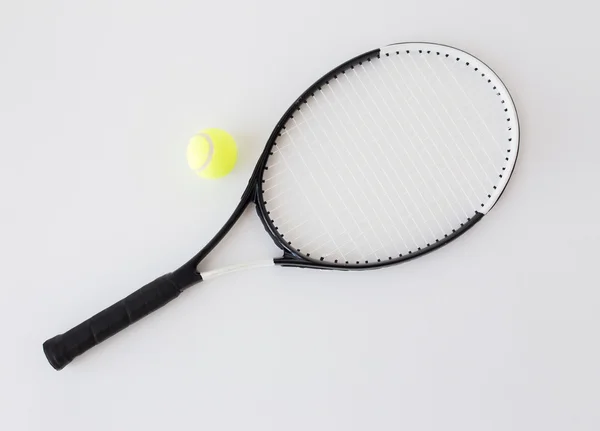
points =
(389, 156)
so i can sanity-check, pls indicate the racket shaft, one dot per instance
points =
(62, 349)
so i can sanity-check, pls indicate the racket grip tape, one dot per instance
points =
(62, 349)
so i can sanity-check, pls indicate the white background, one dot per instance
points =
(498, 331)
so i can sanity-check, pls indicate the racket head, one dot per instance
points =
(387, 157)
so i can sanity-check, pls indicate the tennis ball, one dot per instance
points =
(212, 153)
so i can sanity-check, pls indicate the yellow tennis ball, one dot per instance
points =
(212, 153)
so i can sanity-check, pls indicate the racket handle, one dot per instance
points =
(62, 349)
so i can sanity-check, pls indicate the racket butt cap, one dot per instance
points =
(56, 359)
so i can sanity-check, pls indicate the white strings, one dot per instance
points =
(388, 158)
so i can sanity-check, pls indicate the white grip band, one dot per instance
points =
(233, 268)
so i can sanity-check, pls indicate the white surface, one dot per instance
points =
(391, 155)
(497, 331)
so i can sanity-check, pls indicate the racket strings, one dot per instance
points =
(445, 86)
(436, 131)
(350, 213)
(357, 166)
(387, 158)
(373, 137)
(404, 132)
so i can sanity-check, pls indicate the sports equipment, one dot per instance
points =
(212, 153)
(387, 157)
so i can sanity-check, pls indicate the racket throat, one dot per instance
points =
(206, 275)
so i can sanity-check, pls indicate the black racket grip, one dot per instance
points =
(62, 349)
